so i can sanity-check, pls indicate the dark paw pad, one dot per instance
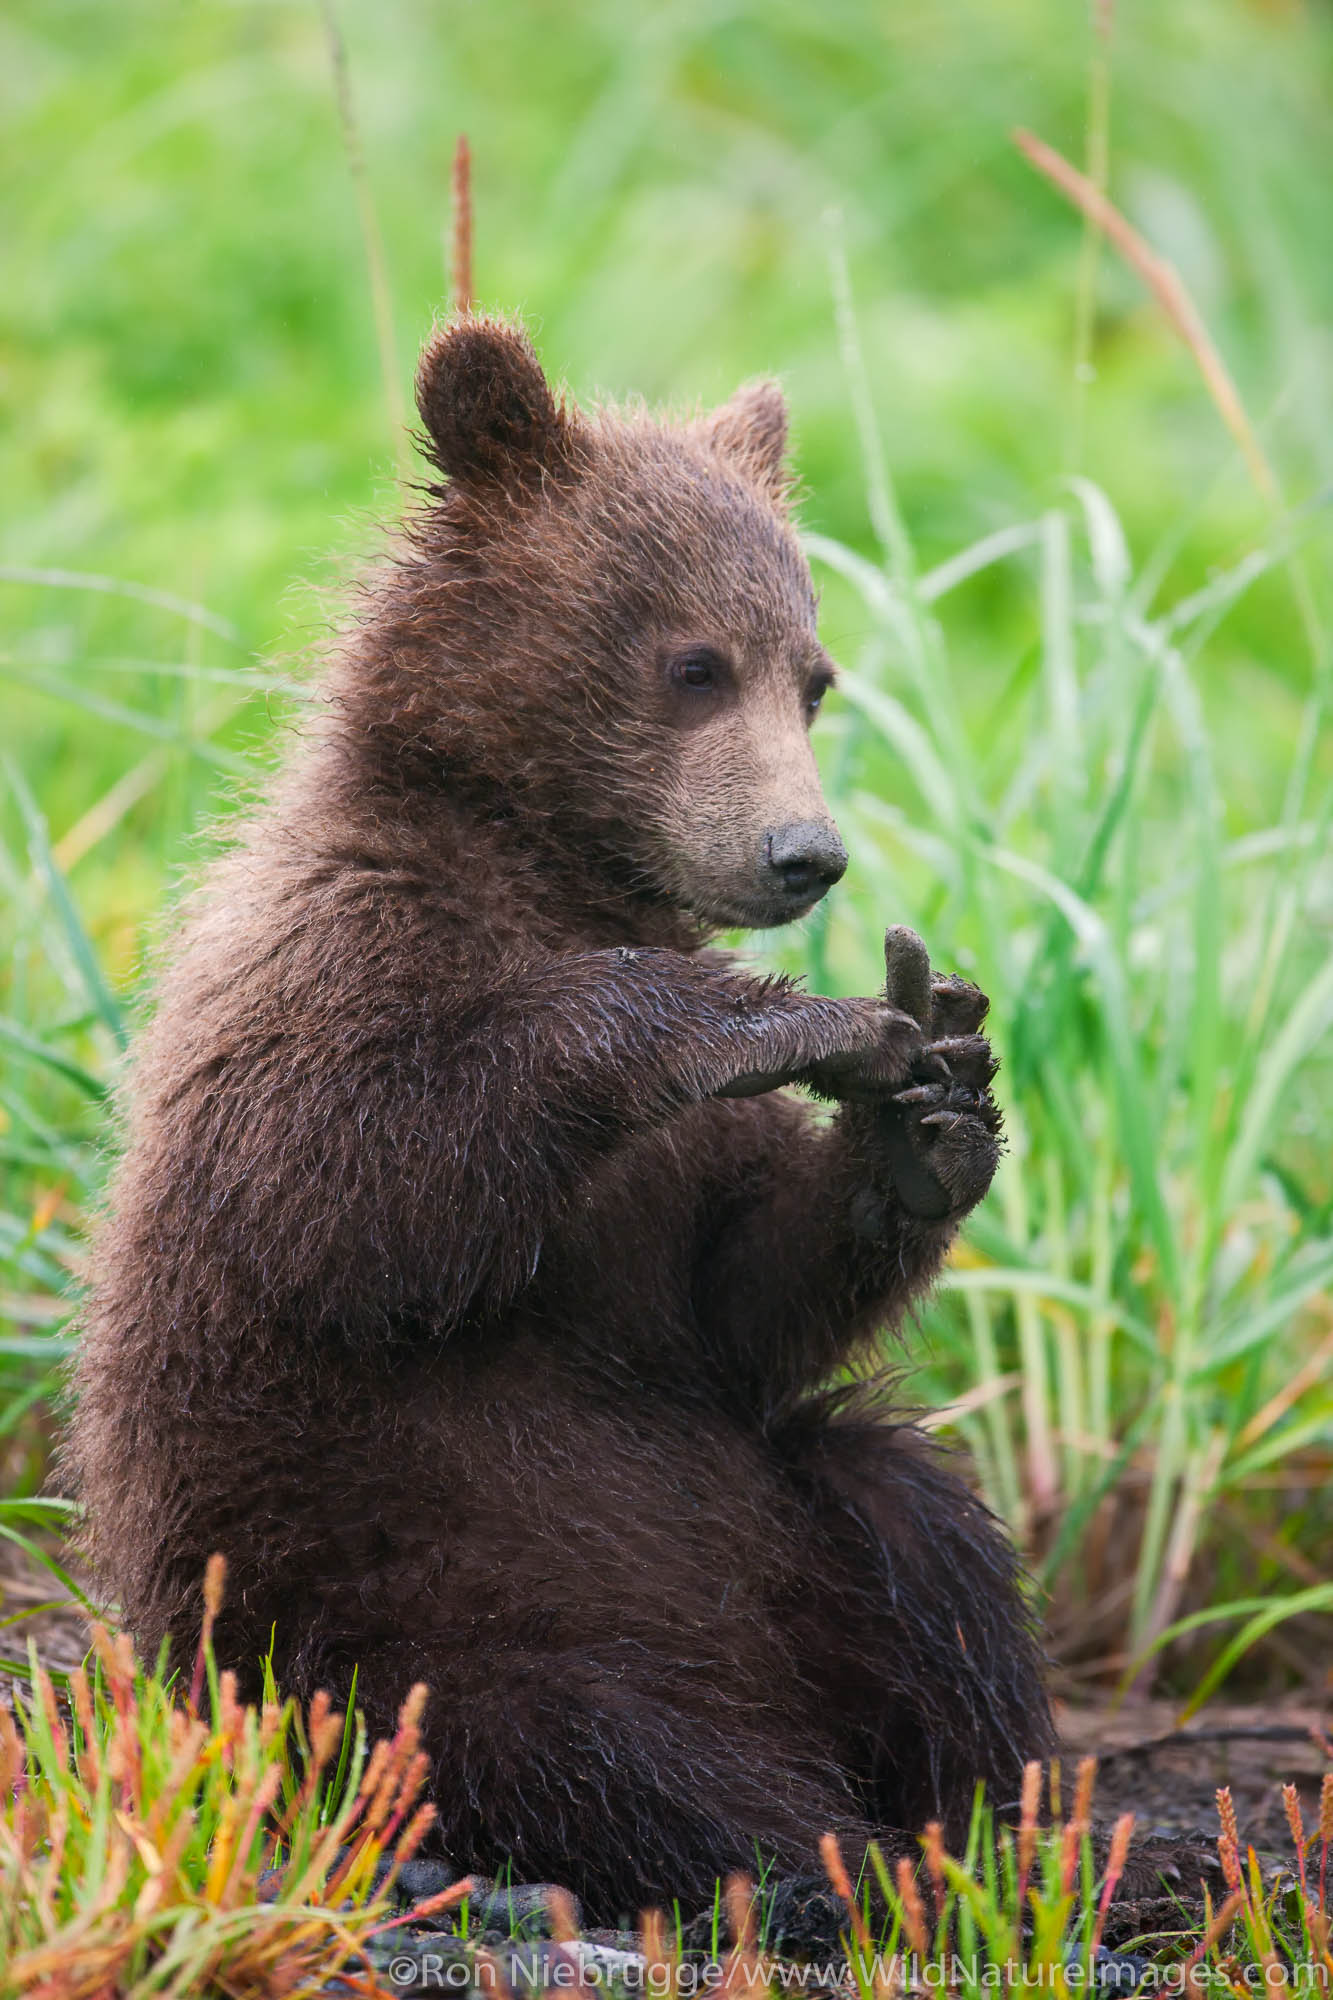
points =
(943, 1146)
(968, 1059)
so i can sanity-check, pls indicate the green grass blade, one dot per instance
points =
(80, 945)
(1305, 1026)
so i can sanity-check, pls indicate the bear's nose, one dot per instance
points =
(807, 857)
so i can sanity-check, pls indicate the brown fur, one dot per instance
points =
(453, 1285)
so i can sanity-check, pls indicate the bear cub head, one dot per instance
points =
(612, 636)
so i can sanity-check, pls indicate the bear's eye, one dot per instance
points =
(701, 667)
(815, 693)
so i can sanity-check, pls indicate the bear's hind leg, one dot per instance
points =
(633, 1781)
(914, 1629)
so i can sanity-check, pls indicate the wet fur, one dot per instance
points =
(439, 1290)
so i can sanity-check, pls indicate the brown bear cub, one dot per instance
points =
(471, 1279)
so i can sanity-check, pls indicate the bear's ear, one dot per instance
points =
(752, 427)
(487, 406)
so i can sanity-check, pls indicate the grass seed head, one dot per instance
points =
(1291, 1806)
(830, 1853)
(1083, 1788)
(215, 1581)
(739, 1898)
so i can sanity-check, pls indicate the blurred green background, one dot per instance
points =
(1090, 760)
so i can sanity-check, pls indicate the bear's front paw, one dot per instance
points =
(939, 1135)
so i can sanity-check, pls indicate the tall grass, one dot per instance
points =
(1139, 1325)
(1139, 1321)
(1144, 1316)
(63, 1012)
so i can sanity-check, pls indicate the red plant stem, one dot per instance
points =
(445, 1899)
(1217, 1928)
(1027, 1829)
(1124, 1828)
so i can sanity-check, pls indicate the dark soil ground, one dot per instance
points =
(1168, 1777)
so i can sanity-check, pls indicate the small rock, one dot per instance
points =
(1109, 1972)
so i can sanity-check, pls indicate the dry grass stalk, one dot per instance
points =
(1166, 285)
(460, 259)
(373, 242)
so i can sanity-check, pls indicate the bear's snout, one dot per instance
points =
(803, 859)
